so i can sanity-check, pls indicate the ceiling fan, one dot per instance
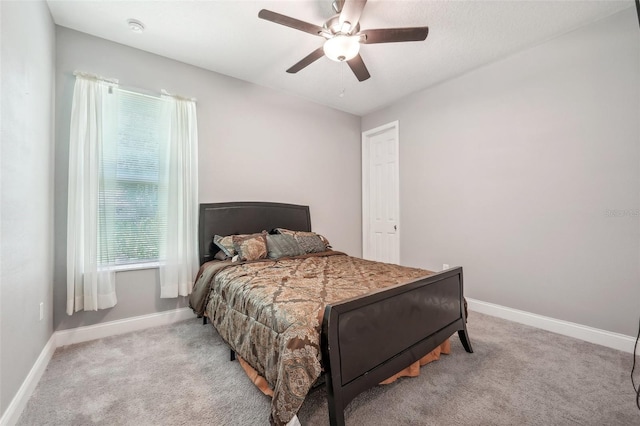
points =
(343, 36)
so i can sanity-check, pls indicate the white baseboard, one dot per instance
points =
(113, 328)
(84, 334)
(609, 339)
(19, 401)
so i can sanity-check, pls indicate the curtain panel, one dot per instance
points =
(88, 286)
(179, 246)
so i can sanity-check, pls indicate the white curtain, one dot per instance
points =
(179, 245)
(88, 286)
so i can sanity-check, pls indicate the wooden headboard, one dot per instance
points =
(246, 217)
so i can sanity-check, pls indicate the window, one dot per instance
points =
(131, 181)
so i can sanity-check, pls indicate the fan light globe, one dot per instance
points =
(341, 47)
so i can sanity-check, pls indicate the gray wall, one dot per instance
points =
(26, 173)
(256, 144)
(510, 169)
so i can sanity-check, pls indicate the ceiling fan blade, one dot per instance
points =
(351, 11)
(337, 5)
(289, 22)
(359, 68)
(393, 35)
(307, 60)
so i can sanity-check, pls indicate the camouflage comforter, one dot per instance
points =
(270, 313)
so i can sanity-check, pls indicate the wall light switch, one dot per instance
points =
(41, 311)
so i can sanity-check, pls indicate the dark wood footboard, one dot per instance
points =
(368, 339)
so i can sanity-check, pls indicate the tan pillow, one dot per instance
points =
(251, 247)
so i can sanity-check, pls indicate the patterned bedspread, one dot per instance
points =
(270, 313)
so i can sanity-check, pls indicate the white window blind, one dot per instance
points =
(131, 181)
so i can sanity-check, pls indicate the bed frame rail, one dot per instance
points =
(368, 339)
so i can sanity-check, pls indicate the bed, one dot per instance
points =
(342, 338)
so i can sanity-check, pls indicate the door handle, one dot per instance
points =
(395, 227)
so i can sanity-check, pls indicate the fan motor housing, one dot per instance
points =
(334, 27)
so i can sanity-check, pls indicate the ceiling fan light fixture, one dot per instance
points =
(342, 47)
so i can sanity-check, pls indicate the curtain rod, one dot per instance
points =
(136, 90)
(178, 97)
(96, 77)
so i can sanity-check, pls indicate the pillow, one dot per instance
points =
(310, 242)
(282, 245)
(220, 255)
(225, 244)
(250, 247)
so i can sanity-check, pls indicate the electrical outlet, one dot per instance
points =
(41, 311)
(445, 266)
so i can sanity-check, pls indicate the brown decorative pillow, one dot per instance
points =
(310, 242)
(225, 244)
(250, 247)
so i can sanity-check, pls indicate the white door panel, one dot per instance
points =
(380, 194)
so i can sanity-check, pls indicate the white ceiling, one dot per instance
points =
(227, 37)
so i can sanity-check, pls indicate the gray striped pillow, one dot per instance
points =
(280, 245)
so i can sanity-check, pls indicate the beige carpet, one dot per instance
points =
(181, 375)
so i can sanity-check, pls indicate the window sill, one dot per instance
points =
(131, 267)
